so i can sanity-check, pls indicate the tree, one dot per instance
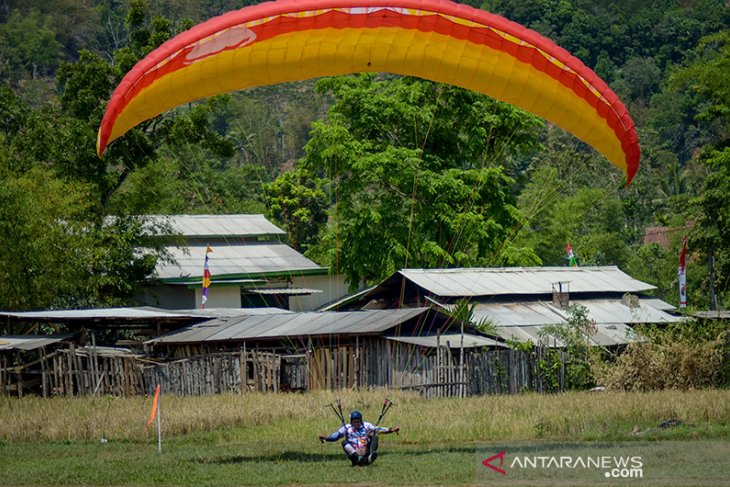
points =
(63, 246)
(28, 46)
(298, 201)
(416, 176)
(87, 85)
(708, 76)
(43, 240)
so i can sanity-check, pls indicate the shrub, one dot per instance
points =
(688, 356)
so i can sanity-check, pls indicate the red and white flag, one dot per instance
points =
(682, 275)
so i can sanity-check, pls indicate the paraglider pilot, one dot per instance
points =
(361, 439)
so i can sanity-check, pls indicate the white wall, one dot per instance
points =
(219, 297)
(333, 287)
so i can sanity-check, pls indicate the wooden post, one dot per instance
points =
(356, 371)
(462, 386)
(438, 363)
(69, 364)
(44, 370)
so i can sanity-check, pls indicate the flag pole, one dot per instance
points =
(159, 428)
(156, 415)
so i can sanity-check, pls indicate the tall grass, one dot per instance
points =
(289, 417)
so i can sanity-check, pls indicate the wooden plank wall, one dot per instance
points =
(74, 372)
(294, 373)
(445, 373)
(366, 362)
(217, 373)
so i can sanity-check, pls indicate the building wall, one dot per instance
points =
(180, 297)
(333, 288)
(219, 297)
(169, 297)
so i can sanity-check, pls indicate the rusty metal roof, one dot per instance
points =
(472, 282)
(292, 325)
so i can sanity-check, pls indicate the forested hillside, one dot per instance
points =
(367, 173)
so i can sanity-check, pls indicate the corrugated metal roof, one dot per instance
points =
(452, 340)
(31, 342)
(658, 304)
(236, 312)
(605, 335)
(292, 325)
(539, 313)
(289, 291)
(528, 334)
(90, 314)
(346, 299)
(199, 281)
(234, 259)
(522, 280)
(519, 314)
(606, 311)
(202, 226)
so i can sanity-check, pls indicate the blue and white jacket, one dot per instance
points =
(357, 437)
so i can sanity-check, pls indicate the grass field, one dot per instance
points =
(256, 439)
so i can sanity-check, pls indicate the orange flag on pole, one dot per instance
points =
(154, 406)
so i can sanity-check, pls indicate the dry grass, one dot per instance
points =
(667, 362)
(286, 417)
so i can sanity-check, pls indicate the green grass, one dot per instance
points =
(259, 439)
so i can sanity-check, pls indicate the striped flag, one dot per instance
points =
(206, 277)
(571, 257)
(682, 276)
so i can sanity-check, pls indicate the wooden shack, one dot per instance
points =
(418, 348)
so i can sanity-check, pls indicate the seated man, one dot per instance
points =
(361, 439)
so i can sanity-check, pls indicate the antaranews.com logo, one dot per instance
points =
(602, 464)
(609, 466)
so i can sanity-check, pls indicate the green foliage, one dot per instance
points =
(413, 182)
(28, 46)
(463, 310)
(298, 202)
(587, 218)
(42, 236)
(708, 77)
(414, 173)
(712, 231)
(62, 250)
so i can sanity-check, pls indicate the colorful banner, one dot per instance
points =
(206, 277)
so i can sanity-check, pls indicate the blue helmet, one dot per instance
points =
(355, 415)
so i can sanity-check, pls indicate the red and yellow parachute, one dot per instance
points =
(437, 40)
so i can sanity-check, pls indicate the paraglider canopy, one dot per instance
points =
(438, 40)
